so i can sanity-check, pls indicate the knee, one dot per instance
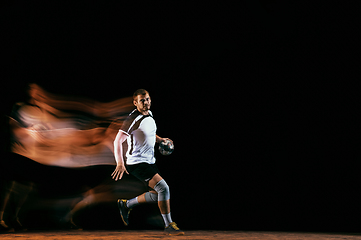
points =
(162, 189)
(151, 197)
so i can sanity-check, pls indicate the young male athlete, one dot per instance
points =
(139, 129)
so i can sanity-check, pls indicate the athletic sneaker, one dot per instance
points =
(124, 210)
(172, 229)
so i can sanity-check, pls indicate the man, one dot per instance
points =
(139, 129)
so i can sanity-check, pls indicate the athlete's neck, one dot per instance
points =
(145, 113)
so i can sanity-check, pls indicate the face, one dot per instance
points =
(142, 102)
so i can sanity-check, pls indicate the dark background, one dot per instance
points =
(260, 98)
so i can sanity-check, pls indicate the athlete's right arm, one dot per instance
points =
(118, 154)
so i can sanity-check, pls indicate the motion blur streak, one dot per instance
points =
(66, 131)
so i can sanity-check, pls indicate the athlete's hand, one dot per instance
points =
(159, 139)
(165, 139)
(118, 172)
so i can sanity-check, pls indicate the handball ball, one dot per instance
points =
(166, 147)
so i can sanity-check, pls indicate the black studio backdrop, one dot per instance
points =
(259, 99)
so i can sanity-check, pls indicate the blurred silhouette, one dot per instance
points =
(67, 132)
(57, 131)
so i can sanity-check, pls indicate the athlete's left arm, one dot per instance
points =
(159, 139)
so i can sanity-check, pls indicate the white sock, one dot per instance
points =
(167, 219)
(132, 202)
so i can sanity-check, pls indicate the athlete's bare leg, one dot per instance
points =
(164, 206)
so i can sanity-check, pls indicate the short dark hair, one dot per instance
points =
(140, 92)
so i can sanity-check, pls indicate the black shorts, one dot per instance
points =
(143, 171)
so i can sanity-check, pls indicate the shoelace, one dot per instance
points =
(174, 225)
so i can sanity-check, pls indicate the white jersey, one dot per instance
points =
(141, 131)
